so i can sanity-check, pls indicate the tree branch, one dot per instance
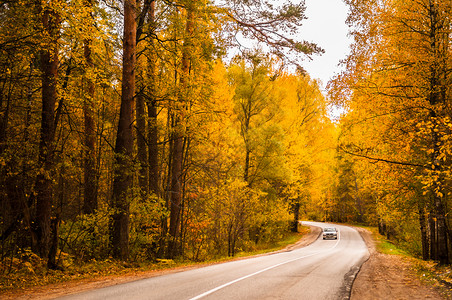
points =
(375, 159)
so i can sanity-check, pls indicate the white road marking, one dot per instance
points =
(261, 271)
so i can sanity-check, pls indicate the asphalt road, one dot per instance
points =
(323, 270)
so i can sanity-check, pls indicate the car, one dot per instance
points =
(329, 233)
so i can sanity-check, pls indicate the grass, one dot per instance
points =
(290, 239)
(384, 245)
(387, 247)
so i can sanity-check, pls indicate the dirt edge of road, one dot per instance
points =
(385, 276)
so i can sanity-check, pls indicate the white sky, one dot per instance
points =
(326, 27)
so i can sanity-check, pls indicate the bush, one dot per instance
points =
(88, 236)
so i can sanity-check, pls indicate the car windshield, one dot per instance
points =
(329, 229)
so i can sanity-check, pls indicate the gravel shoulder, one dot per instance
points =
(385, 276)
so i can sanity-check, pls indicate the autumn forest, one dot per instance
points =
(142, 130)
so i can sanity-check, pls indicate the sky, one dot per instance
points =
(326, 27)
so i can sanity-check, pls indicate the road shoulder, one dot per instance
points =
(385, 276)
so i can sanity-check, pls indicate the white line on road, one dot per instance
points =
(261, 271)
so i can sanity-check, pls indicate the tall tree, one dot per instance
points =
(152, 137)
(253, 90)
(145, 19)
(123, 170)
(439, 30)
(90, 173)
(178, 134)
(44, 180)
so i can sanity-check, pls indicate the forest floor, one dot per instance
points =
(382, 276)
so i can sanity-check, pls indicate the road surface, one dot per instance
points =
(322, 270)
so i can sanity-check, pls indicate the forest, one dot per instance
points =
(140, 130)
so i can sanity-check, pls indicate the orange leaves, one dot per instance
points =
(397, 88)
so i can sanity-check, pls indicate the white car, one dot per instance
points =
(329, 233)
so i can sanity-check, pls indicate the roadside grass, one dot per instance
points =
(30, 271)
(382, 244)
(291, 238)
(385, 246)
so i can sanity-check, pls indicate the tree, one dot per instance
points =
(145, 95)
(123, 170)
(90, 204)
(397, 75)
(44, 185)
(272, 25)
(252, 96)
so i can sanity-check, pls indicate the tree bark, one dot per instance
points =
(122, 182)
(140, 107)
(90, 173)
(178, 139)
(44, 185)
(437, 98)
(142, 154)
(424, 236)
(433, 245)
(296, 216)
(153, 151)
(176, 188)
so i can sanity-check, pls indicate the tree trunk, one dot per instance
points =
(140, 108)
(176, 187)
(358, 203)
(178, 139)
(437, 98)
(52, 263)
(122, 182)
(296, 216)
(153, 159)
(246, 171)
(44, 186)
(424, 236)
(442, 238)
(153, 151)
(432, 237)
(153, 133)
(142, 154)
(90, 173)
